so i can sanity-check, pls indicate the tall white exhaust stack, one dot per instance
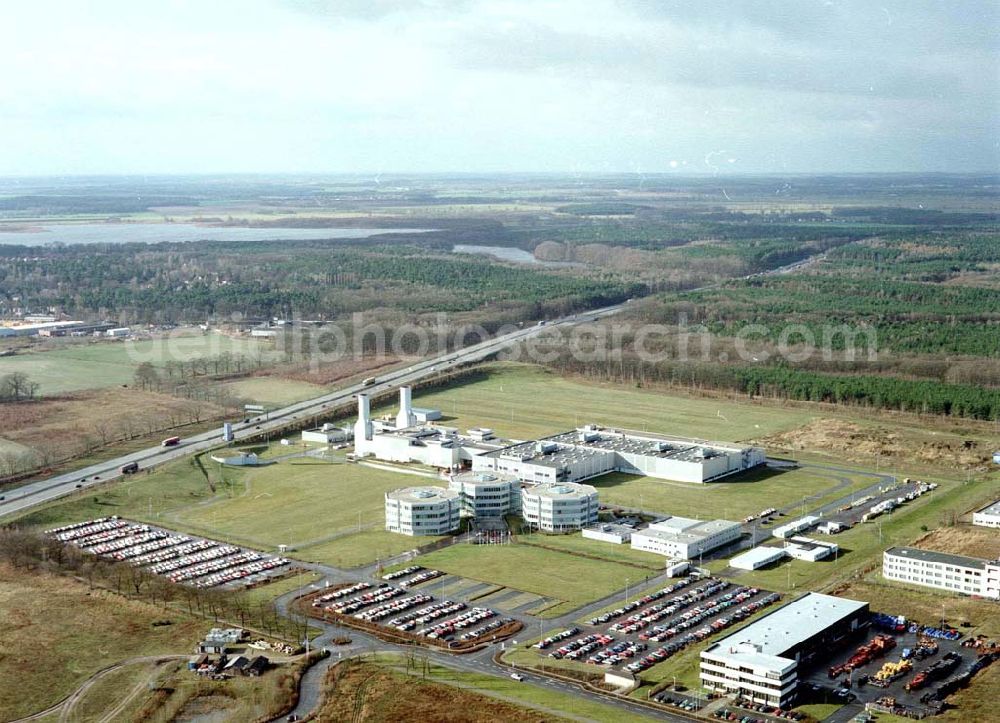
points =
(405, 418)
(363, 427)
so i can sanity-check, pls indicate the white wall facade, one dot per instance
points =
(437, 515)
(960, 575)
(559, 512)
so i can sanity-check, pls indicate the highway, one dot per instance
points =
(30, 495)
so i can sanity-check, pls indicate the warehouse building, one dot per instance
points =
(559, 507)
(327, 434)
(758, 557)
(763, 661)
(592, 450)
(810, 550)
(944, 571)
(796, 526)
(989, 516)
(485, 494)
(684, 538)
(607, 532)
(422, 511)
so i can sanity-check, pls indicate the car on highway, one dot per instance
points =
(516, 676)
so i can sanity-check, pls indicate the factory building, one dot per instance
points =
(763, 661)
(989, 516)
(559, 507)
(485, 494)
(810, 550)
(607, 532)
(405, 439)
(796, 526)
(757, 558)
(327, 434)
(592, 450)
(941, 570)
(422, 511)
(685, 538)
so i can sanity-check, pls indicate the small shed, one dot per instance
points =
(212, 647)
(257, 666)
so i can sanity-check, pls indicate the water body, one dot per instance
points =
(508, 253)
(94, 233)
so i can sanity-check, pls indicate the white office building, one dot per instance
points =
(559, 507)
(487, 494)
(592, 450)
(422, 511)
(685, 538)
(944, 571)
(762, 661)
(989, 516)
(810, 550)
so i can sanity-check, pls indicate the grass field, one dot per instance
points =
(54, 633)
(539, 697)
(273, 391)
(577, 544)
(573, 579)
(93, 364)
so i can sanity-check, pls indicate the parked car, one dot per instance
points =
(516, 676)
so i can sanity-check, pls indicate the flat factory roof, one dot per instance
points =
(944, 558)
(788, 626)
(685, 533)
(758, 556)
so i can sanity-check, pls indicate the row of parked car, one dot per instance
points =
(199, 562)
(445, 630)
(678, 644)
(553, 639)
(676, 701)
(377, 595)
(697, 615)
(486, 629)
(338, 594)
(390, 608)
(645, 600)
(617, 653)
(657, 612)
(421, 577)
(426, 614)
(402, 573)
(768, 709)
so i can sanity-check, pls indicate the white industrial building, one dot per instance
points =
(796, 526)
(989, 516)
(422, 511)
(944, 571)
(608, 532)
(758, 557)
(559, 507)
(486, 494)
(404, 439)
(327, 434)
(592, 450)
(684, 538)
(810, 550)
(762, 661)
(118, 333)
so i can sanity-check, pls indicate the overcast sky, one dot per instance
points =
(152, 86)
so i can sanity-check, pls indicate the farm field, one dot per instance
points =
(572, 579)
(51, 648)
(93, 364)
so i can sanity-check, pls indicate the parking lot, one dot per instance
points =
(182, 559)
(891, 662)
(655, 627)
(395, 605)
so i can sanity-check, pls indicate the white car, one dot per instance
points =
(516, 676)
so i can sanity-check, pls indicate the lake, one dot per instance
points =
(94, 233)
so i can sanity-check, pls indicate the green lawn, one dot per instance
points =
(523, 402)
(577, 544)
(749, 493)
(574, 580)
(93, 364)
(361, 548)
